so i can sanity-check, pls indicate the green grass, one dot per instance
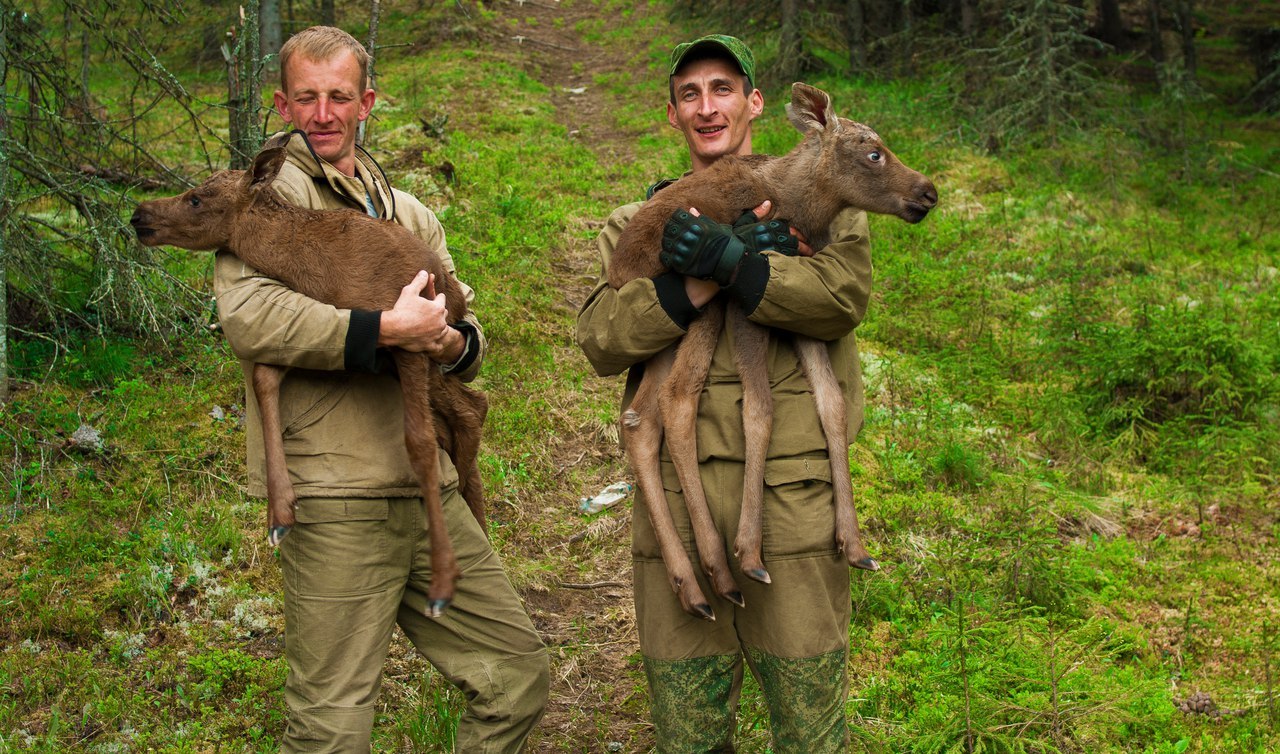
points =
(1067, 466)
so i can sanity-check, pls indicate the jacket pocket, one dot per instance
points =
(307, 397)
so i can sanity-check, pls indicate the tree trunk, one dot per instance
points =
(908, 37)
(328, 15)
(270, 33)
(1184, 10)
(969, 18)
(1264, 52)
(1110, 25)
(855, 23)
(375, 12)
(1153, 32)
(243, 90)
(4, 210)
(789, 45)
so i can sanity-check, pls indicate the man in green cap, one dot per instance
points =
(792, 633)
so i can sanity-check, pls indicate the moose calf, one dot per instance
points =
(839, 164)
(319, 254)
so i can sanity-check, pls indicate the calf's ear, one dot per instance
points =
(265, 168)
(810, 110)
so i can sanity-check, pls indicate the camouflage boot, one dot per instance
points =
(806, 699)
(694, 702)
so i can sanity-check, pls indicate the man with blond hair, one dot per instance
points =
(357, 562)
(792, 633)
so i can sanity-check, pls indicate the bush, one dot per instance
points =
(1175, 375)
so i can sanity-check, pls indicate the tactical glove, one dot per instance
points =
(758, 236)
(700, 247)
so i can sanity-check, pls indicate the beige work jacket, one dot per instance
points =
(343, 426)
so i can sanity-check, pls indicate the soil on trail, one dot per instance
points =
(588, 618)
(585, 613)
(548, 44)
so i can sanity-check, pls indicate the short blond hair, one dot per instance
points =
(322, 43)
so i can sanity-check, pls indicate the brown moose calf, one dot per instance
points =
(319, 254)
(840, 164)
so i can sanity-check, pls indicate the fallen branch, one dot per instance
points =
(592, 585)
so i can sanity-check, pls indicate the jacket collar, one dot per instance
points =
(369, 178)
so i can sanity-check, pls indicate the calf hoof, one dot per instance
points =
(735, 597)
(436, 608)
(702, 610)
(759, 574)
(867, 563)
(276, 534)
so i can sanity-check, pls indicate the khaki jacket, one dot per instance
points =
(341, 410)
(824, 297)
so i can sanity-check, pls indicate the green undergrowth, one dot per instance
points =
(1067, 466)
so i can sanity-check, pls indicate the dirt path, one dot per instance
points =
(549, 42)
(597, 699)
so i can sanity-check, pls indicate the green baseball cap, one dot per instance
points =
(732, 46)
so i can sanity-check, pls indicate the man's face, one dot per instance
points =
(713, 110)
(327, 100)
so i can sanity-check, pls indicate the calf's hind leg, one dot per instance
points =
(280, 495)
(642, 430)
(420, 441)
(679, 402)
(464, 411)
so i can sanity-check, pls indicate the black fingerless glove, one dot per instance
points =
(757, 236)
(702, 248)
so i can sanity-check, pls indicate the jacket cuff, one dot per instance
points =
(748, 287)
(362, 341)
(674, 299)
(470, 349)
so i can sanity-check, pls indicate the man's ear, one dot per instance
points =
(366, 103)
(282, 106)
(755, 101)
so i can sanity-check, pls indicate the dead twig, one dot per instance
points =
(592, 585)
(520, 39)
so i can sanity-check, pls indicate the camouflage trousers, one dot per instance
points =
(792, 634)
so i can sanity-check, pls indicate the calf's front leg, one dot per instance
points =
(681, 393)
(833, 414)
(750, 346)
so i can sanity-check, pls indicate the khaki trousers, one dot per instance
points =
(793, 633)
(352, 570)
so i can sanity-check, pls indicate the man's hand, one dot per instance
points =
(774, 235)
(701, 248)
(419, 324)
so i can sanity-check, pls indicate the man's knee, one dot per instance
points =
(501, 714)
(806, 699)
(527, 679)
